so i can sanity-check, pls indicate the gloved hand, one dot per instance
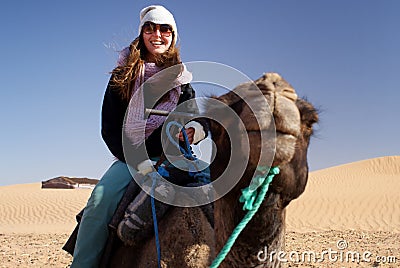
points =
(145, 167)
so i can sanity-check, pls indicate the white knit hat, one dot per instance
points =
(158, 15)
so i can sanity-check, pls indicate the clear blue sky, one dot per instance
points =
(344, 56)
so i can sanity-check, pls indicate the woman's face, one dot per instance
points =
(157, 38)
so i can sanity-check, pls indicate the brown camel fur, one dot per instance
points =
(186, 236)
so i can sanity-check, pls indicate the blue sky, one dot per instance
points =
(56, 56)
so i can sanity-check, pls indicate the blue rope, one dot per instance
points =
(187, 152)
(249, 194)
(262, 182)
(201, 177)
(163, 172)
(153, 210)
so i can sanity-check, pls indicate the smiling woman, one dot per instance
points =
(131, 137)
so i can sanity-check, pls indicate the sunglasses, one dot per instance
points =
(149, 28)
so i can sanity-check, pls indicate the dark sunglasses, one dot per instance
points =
(149, 28)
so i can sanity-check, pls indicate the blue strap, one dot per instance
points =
(163, 172)
(153, 210)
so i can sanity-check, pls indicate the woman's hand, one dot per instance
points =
(189, 133)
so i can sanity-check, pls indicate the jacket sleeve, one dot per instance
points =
(112, 117)
(192, 107)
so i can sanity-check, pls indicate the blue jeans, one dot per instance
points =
(93, 229)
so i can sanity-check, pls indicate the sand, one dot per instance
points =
(363, 195)
(350, 210)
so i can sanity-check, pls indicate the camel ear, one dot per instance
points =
(308, 113)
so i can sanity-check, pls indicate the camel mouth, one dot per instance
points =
(278, 133)
(276, 148)
(286, 134)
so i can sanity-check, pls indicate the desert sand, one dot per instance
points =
(351, 211)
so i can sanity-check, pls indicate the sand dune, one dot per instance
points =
(26, 208)
(361, 195)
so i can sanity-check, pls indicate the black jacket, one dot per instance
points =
(113, 113)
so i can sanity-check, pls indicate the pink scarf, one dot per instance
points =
(136, 127)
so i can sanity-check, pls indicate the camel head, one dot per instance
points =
(278, 126)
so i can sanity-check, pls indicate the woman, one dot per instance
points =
(152, 51)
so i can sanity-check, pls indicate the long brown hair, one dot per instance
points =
(124, 76)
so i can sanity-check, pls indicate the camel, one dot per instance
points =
(187, 237)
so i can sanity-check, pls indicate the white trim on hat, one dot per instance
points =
(158, 15)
